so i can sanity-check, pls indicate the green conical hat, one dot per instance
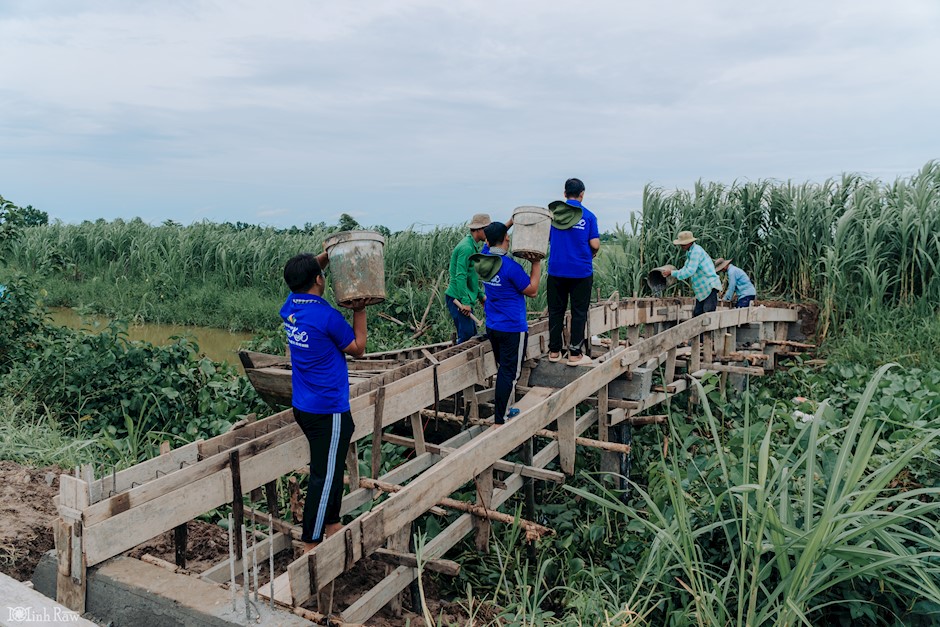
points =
(564, 216)
(487, 265)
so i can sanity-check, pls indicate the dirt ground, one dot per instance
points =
(27, 511)
(26, 514)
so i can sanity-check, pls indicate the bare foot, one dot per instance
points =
(331, 529)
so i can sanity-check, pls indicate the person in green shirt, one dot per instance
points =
(463, 290)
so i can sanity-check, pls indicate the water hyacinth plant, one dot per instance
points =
(792, 524)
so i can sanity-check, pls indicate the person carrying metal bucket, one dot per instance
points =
(319, 336)
(507, 285)
(700, 270)
(574, 241)
(739, 283)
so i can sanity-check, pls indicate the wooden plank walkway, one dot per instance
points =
(102, 518)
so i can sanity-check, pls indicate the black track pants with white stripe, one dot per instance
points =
(509, 351)
(328, 435)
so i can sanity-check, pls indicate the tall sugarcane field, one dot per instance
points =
(807, 496)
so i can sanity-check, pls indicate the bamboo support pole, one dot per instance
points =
(533, 531)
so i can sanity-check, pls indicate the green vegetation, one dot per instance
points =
(115, 398)
(854, 246)
(749, 509)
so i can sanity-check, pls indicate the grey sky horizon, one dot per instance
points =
(418, 112)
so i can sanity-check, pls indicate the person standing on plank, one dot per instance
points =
(700, 270)
(463, 288)
(318, 336)
(739, 283)
(574, 241)
(506, 284)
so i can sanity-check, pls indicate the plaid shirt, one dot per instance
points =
(700, 268)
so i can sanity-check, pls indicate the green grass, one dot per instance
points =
(32, 437)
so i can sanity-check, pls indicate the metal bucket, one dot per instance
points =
(657, 282)
(357, 266)
(530, 229)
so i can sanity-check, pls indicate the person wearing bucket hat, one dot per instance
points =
(319, 338)
(573, 242)
(507, 285)
(739, 283)
(700, 270)
(463, 288)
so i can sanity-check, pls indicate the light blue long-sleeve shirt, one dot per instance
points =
(738, 283)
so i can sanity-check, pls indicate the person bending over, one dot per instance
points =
(739, 283)
(700, 271)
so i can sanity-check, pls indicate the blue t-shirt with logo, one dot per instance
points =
(505, 302)
(569, 253)
(317, 335)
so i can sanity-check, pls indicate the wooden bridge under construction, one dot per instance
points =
(645, 351)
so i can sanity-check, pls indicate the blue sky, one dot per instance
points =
(419, 112)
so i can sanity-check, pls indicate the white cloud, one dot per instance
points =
(419, 111)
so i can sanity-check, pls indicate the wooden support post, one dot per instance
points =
(238, 505)
(726, 347)
(669, 375)
(180, 534)
(615, 338)
(609, 461)
(352, 465)
(695, 364)
(270, 497)
(71, 581)
(484, 485)
(633, 335)
(566, 444)
(377, 433)
(296, 507)
(417, 430)
(397, 543)
(528, 452)
(708, 345)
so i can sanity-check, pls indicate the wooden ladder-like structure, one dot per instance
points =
(100, 518)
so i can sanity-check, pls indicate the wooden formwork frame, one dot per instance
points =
(101, 518)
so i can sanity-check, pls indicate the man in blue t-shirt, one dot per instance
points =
(506, 284)
(573, 243)
(318, 337)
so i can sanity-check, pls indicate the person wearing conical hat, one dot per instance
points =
(739, 283)
(699, 269)
(463, 288)
(574, 241)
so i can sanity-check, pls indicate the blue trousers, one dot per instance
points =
(745, 301)
(466, 327)
(705, 306)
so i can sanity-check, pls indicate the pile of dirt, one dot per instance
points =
(26, 515)
(206, 545)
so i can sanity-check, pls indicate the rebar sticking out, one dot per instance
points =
(271, 555)
(231, 562)
(246, 582)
